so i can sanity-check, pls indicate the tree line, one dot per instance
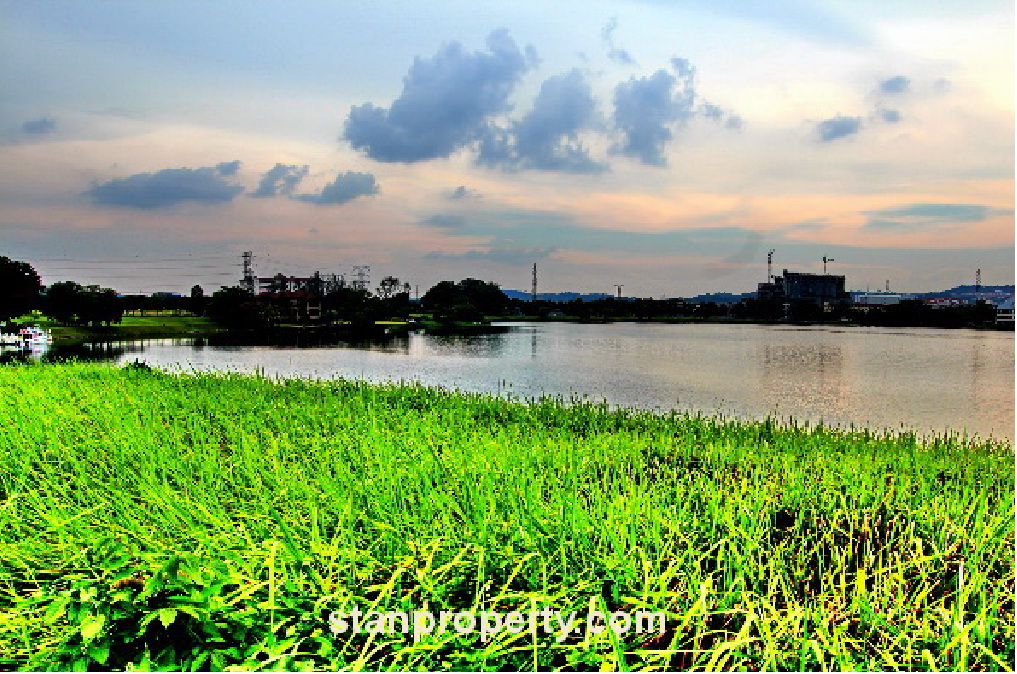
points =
(466, 301)
(72, 303)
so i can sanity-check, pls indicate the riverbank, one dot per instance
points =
(130, 328)
(171, 326)
(206, 521)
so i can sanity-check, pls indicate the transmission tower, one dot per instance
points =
(248, 281)
(361, 276)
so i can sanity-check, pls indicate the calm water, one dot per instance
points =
(922, 379)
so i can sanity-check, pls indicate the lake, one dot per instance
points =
(925, 380)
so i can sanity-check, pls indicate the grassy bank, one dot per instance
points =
(130, 328)
(209, 521)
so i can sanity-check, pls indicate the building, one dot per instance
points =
(295, 305)
(877, 299)
(280, 283)
(1004, 313)
(940, 302)
(824, 290)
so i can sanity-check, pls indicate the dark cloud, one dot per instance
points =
(894, 85)
(38, 127)
(838, 127)
(167, 187)
(619, 56)
(228, 168)
(281, 179)
(513, 256)
(445, 103)
(916, 217)
(463, 192)
(345, 188)
(646, 109)
(547, 138)
(891, 116)
(445, 221)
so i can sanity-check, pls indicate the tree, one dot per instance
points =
(197, 303)
(486, 298)
(442, 295)
(20, 288)
(74, 304)
(62, 301)
(389, 286)
(235, 307)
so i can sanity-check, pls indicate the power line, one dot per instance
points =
(100, 275)
(92, 268)
(134, 261)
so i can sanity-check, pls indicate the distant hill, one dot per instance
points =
(960, 292)
(968, 292)
(721, 298)
(558, 297)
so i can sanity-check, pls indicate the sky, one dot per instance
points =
(666, 146)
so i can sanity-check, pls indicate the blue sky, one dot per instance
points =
(662, 145)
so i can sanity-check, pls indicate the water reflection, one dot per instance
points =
(389, 343)
(924, 379)
(470, 346)
(98, 351)
(809, 376)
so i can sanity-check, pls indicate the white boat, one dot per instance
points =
(36, 335)
(27, 338)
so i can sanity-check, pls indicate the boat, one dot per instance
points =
(27, 338)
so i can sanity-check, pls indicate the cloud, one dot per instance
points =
(646, 108)
(811, 225)
(547, 138)
(445, 221)
(345, 188)
(619, 56)
(463, 192)
(168, 187)
(281, 179)
(838, 127)
(228, 168)
(512, 256)
(891, 116)
(918, 217)
(894, 85)
(445, 103)
(718, 114)
(38, 127)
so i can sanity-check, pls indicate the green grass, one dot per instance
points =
(131, 327)
(162, 521)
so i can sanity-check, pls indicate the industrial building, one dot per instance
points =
(1004, 313)
(878, 299)
(824, 290)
